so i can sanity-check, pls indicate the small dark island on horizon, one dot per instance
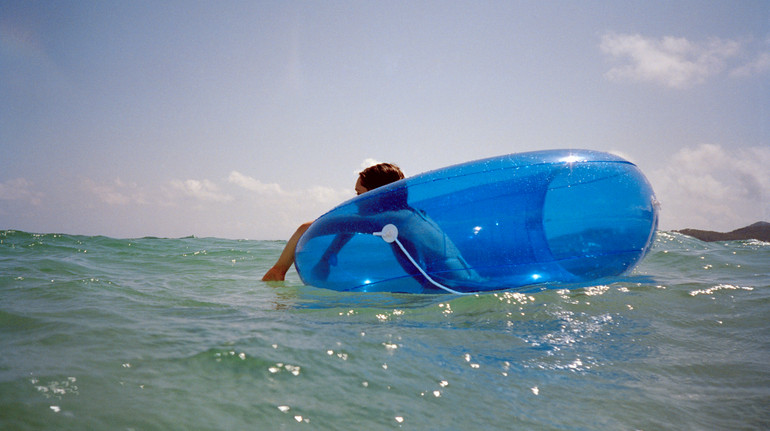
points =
(759, 231)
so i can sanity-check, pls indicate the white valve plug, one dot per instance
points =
(389, 233)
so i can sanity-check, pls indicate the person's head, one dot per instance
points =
(377, 176)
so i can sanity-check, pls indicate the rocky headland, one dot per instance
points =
(759, 230)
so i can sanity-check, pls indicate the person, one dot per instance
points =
(368, 179)
(420, 236)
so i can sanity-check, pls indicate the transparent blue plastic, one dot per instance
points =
(508, 222)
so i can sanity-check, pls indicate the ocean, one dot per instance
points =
(99, 333)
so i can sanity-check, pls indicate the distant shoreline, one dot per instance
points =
(759, 231)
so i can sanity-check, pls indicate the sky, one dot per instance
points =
(243, 119)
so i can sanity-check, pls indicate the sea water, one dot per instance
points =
(181, 334)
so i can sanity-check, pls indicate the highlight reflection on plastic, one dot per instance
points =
(505, 222)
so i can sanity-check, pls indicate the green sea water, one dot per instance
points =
(99, 333)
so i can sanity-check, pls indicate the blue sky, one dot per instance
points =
(242, 119)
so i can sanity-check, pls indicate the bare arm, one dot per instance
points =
(278, 271)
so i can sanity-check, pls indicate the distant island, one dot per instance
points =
(759, 230)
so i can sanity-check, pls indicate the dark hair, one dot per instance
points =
(380, 175)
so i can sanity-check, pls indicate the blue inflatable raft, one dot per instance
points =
(508, 222)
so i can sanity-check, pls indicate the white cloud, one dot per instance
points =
(369, 162)
(116, 192)
(253, 184)
(671, 61)
(20, 189)
(253, 208)
(327, 195)
(622, 154)
(204, 190)
(278, 211)
(365, 164)
(760, 64)
(710, 187)
(317, 194)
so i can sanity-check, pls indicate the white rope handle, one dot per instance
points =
(389, 234)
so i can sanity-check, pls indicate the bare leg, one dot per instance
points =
(278, 271)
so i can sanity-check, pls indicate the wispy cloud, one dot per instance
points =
(20, 189)
(204, 190)
(254, 184)
(368, 162)
(276, 210)
(116, 192)
(760, 64)
(327, 195)
(267, 210)
(714, 188)
(319, 194)
(677, 62)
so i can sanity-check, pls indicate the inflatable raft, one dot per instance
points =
(508, 222)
